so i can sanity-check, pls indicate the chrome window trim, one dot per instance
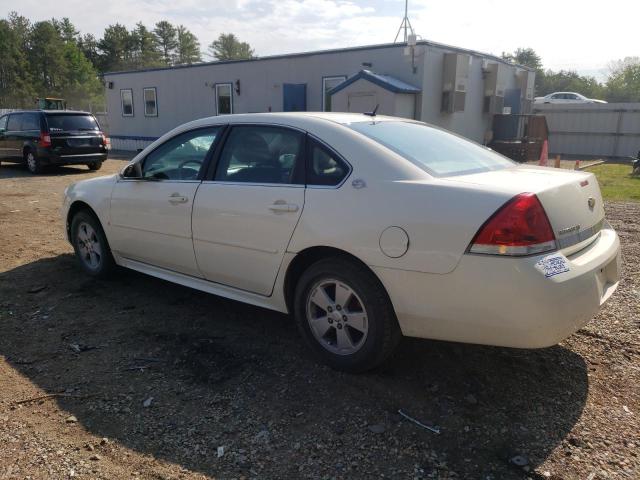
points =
(255, 184)
(155, 180)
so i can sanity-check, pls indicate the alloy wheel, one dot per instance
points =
(337, 317)
(89, 246)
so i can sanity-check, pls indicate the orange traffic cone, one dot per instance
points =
(544, 154)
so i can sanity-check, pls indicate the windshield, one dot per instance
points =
(71, 122)
(436, 151)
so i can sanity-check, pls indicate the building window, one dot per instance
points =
(327, 84)
(126, 98)
(224, 99)
(150, 102)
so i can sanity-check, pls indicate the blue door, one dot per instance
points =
(294, 97)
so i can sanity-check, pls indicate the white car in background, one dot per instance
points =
(566, 97)
(364, 228)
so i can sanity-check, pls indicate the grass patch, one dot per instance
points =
(617, 183)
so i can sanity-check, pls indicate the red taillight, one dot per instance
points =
(45, 139)
(106, 141)
(519, 227)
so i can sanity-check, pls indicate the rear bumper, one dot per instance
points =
(506, 301)
(51, 158)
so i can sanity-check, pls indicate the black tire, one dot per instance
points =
(383, 333)
(34, 165)
(94, 165)
(106, 265)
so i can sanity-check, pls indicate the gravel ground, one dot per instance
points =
(145, 379)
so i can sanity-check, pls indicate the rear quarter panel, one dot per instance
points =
(440, 220)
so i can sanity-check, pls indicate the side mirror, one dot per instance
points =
(132, 171)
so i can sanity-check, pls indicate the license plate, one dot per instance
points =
(79, 142)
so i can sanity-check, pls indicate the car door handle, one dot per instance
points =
(176, 198)
(281, 206)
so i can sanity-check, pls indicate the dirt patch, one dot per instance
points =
(153, 380)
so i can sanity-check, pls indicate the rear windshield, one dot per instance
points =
(71, 122)
(436, 151)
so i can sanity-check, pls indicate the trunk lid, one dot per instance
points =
(571, 199)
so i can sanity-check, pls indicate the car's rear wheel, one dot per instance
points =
(345, 315)
(91, 246)
(33, 162)
(94, 165)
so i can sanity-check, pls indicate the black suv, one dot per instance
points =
(52, 137)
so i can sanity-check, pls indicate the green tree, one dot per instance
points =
(114, 48)
(188, 49)
(623, 84)
(525, 56)
(229, 47)
(15, 79)
(21, 26)
(167, 39)
(46, 58)
(89, 47)
(66, 29)
(569, 81)
(146, 49)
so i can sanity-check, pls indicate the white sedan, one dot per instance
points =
(571, 98)
(364, 228)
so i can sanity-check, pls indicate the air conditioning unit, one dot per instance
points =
(455, 81)
(526, 82)
(494, 87)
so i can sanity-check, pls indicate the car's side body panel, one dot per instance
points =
(241, 232)
(151, 222)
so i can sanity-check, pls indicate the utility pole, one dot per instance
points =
(405, 24)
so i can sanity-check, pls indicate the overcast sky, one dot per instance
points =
(570, 34)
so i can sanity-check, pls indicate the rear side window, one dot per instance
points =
(30, 121)
(436, 151)
(324, 167)
(14, 122)
(71, 123)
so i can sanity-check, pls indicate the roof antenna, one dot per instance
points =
(373, 113)
(405, 25)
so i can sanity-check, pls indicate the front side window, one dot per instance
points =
(150, 102)
(180, 158)
(324, 167)
(126, 98)
(327, 84)
(13, 125)
(30, 121)
(434, 150)
(71, 122)
(3, 122)
(261, 154)
(224, 100)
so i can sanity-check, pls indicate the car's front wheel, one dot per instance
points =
(91, 246)
(345, 315)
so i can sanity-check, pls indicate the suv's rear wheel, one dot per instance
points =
(33, 162)
(345, 315)
(91, 246)
(94, 165)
